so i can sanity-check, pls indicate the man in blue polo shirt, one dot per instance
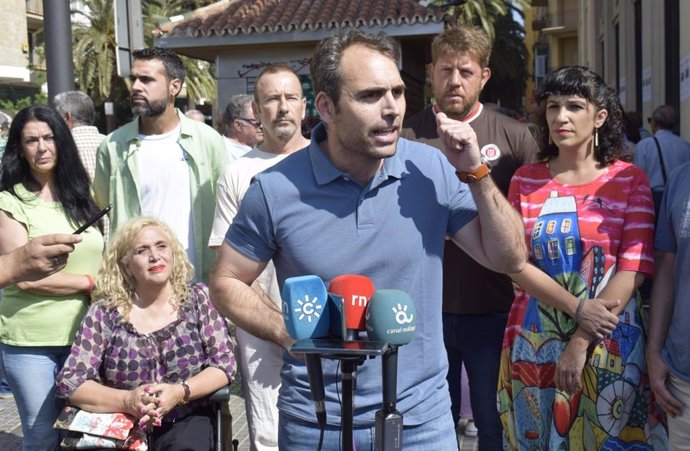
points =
(359, 200)
(668, 349)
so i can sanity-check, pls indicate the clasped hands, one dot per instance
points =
(596, 317)
(597, 321)
(151, 402)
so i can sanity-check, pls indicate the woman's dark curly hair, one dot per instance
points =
(71, 181)
(580, 81)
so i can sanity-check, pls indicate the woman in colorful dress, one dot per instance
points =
(589, 220)
(43, 189)
(152, 344)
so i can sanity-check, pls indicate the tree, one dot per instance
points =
(508, 64)
(482, 13)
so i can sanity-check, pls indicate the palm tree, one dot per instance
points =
(93, 48)
(508, 64)
(478, 12)
(199, 82)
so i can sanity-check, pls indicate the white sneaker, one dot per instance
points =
(470, 429)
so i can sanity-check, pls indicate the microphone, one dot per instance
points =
(355, 291)
(391, 318)
(306, 315)
(305, 309)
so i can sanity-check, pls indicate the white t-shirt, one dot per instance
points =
(164, 189)
(232, 186)
(234, 149)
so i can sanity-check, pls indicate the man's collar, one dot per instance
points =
(325, 171)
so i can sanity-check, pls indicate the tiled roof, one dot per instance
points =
(271, 16)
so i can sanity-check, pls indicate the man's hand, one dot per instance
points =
(38, 258)
(658, 377)
(459, 143)
(596, 317)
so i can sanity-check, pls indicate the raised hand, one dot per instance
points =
(459, 143)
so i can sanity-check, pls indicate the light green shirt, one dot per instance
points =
(117, 179)
(28, 319)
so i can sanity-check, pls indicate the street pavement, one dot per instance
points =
(11, 431)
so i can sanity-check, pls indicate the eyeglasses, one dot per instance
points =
(253, 122)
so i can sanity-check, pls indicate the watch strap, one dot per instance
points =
(474, 176)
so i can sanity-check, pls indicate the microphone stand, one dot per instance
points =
(389, 422)
(351, 354)
(348, 367)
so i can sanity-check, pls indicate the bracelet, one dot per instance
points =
(92, 284)
(578, 312)
(187, 393)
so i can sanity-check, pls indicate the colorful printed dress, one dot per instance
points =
(580, 235)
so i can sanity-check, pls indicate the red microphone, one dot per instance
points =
(355, 291)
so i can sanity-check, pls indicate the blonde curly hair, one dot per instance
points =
(116, 288)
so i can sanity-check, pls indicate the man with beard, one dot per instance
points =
(280, 106)
(358, 200)
(476, 300)
(162, 163)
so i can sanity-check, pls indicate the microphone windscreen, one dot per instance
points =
(391, 317)
(356, 291)
(305, 309)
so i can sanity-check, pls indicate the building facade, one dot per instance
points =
(638, 46)
(21, 31)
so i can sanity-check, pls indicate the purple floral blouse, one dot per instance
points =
(110, 351)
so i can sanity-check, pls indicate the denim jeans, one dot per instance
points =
(476, 340)
(295, 434)
(31, 373)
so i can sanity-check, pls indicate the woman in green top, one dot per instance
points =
(43, 189)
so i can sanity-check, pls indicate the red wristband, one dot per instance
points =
(92, 284)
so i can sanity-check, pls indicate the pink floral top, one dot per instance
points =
(110, 351)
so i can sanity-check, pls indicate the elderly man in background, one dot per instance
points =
(77, 109)
(242, 129)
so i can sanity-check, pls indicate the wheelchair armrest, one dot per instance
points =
(220, 395)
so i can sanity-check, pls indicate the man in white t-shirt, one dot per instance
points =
(162, 164)
(242, 129)
(280, 106)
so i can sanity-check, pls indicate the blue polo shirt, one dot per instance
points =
(673, 235)
(311, 218)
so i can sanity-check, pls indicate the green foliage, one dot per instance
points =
(12, 107)
(508, 65)
(481, 13)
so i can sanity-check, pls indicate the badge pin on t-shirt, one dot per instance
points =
(490, 152)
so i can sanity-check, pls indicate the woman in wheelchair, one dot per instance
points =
(152, 344)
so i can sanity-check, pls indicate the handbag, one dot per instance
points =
(89, 430)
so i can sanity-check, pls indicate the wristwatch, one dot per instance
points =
(479, 173)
